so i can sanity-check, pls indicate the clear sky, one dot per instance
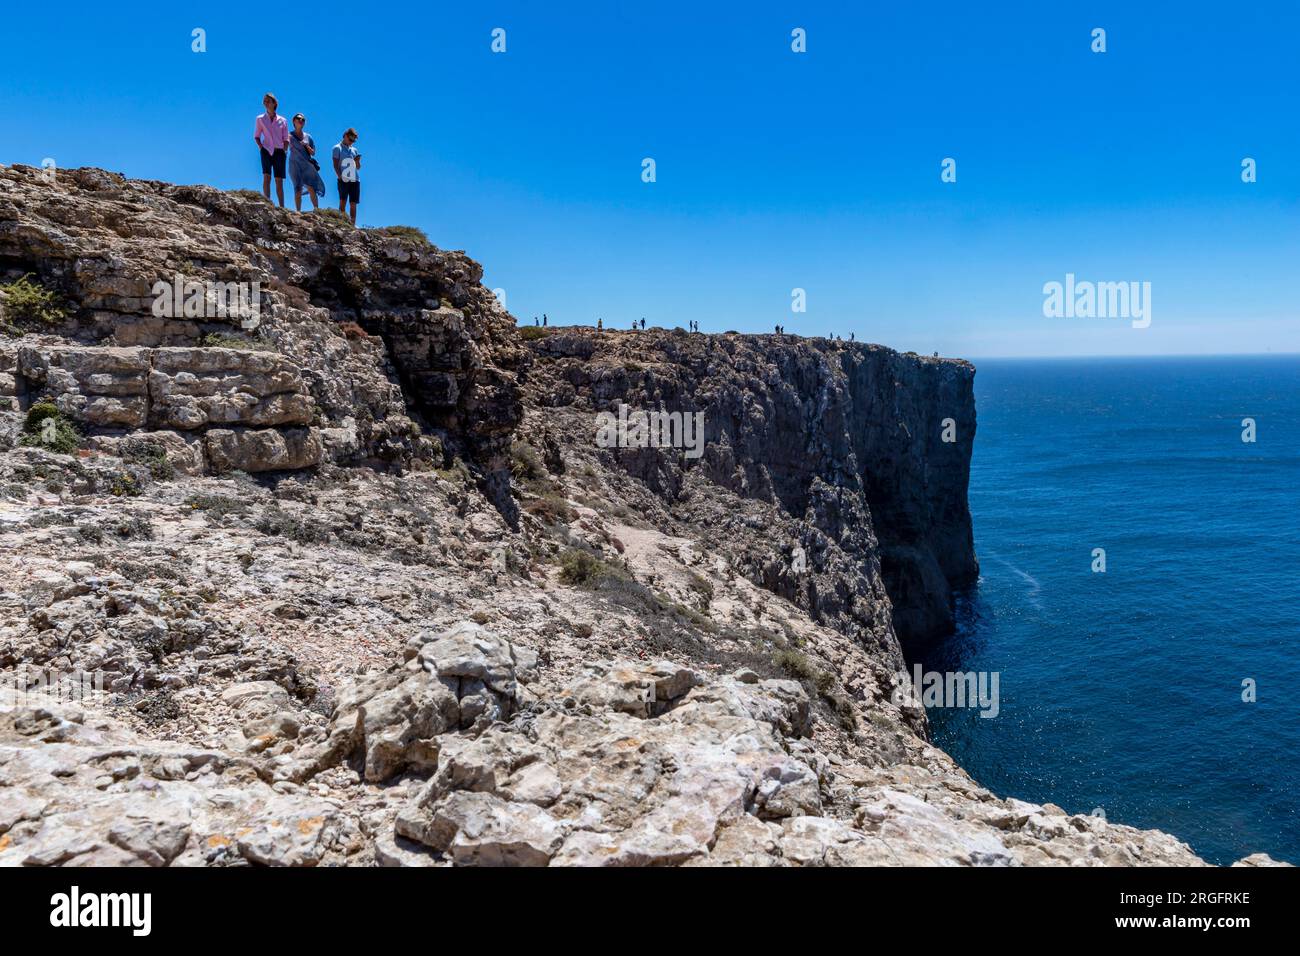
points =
(775, 170)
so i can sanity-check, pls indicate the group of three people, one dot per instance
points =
(280, 147)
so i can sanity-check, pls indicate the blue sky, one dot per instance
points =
(775, 170)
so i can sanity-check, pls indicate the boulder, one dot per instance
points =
(262, 450)
(464, 678)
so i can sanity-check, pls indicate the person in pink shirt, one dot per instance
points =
(271, 134)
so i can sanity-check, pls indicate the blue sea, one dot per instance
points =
(1123, 690)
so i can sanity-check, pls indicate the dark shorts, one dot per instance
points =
(273, 162)
(350, 190)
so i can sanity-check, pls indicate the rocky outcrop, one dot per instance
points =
(464, 679)
(82, 791)
(714, 771)
(250, 409)
(427, 364)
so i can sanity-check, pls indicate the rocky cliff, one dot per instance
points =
(366, 346)
(844, 442)
(347, 579)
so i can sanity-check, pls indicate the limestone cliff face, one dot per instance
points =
(904, 408)
(847, 440)
(437, 364)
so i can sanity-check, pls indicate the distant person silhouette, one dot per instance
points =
(543, 318)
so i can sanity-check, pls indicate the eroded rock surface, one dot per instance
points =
(366, 346)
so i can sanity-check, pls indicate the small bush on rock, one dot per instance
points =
(217, 506)
(584, 569)
(153, 457)
(28, 301)
(125, 485)
(550, 507)
(218, 340)
(525, 463)
(819, 683)
(406, 232)
(37, 414)
(45, 427)
(278, 522)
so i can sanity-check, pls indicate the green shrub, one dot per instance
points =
(551, 506)
(217, 506)
(406, 232)
(820, 683)
(701, 586)
(37, 414)
(531, 332)
(695, 617)
(794, 664)
(584, 569)
(278, 522)
(219, 340)
(330, 213)
(457, 472)
(28, 301)
(525, 464)
(45, 427)
(124, 485)
(152, 456)
(129, 527)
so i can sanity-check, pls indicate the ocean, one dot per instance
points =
(1121, 692)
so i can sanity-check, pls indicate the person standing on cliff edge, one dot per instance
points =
(347, 166)
(304, 171)
(271, 134)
